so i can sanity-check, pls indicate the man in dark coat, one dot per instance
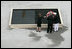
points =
(50, 23)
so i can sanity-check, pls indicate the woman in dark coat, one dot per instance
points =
(39, 22)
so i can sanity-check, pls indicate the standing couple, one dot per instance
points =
(51, 19)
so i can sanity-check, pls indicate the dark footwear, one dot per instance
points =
(36, 31)
(47, 32)
(56, 31)
(51, 32)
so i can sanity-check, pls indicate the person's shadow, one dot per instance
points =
(34, 36)
(56, 37)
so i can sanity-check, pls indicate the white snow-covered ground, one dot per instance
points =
(25, 38)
